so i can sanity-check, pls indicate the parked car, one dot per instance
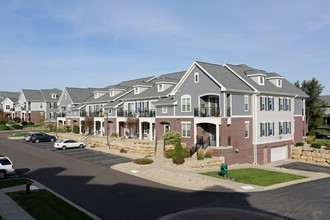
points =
(37, 137)
(28, 137)
(68, 143)
(6, 167)
(320, 135)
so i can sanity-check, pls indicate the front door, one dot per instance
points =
(213, 135)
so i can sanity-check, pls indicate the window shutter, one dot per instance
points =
(268, 129)
(273, 104)
(279, 104)
(273, 128)
(285, 130)
(289, 104)
(260, 103)
(267, 104)
(260, 129)
(279, 128)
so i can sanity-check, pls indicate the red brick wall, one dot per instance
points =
(72, 122)
(175, 124)
(35, 116)
(114, 122)
(236, 130)
(264, 151)
(300, 127)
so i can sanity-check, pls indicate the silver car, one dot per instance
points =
(6, 167)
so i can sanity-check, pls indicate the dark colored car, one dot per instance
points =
(320, 135)
(37, 137)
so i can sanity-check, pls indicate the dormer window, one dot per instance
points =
(196, 77)
(96, 95)
(112, 93)
(279, 83)
(136, 90)
(160, 87)
(54, 96)
(261, 80)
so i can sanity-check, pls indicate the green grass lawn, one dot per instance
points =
(3, 127)
(11, 122)
(323, 142)
(324, 131)
(12, 182)
(41, 204)
(256, 176)
(33, 126)
(20, 134)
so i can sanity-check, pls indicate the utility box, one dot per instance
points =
(224, 169)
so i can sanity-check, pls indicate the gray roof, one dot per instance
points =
(32, 95)
(5, 94)
(79, 95)
(152, 92)
(269, 87)
(77, 107)
(47, 94)
(165, 101)
(112, 104)
(225, 77)
(326, 98)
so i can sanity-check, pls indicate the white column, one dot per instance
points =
(102, 128)
(217, 129)
(195, 132)
(140, 129)
(117, 127)
(151, 131)
(79, 126)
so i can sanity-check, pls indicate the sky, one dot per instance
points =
(61, 43)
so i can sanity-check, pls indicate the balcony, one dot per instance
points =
(12, 109)
(23, 109)
(150, 113)
(60, 114)
(207, 112)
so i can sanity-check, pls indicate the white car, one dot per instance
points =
(68, 143)
(6, 167)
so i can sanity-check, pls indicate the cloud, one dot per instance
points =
(314, 26)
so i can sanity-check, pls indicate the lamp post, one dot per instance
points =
(56, 124)
(107, 127)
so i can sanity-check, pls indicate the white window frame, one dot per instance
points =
(169, 127)
(110, 111)
(288, 127)
(196, 77)
(246, 103)
(184, 129)
(184, 106)
(279, 83)
(112, 93)
(164, 109)
(54, 96)
(270, 128)
(160, 87)
(7, 107)
(281, 128)
(261, 78)
(281, 104)
(263, 103)
(96, 95)
(263, 130)
(136, 90)
(247, 129)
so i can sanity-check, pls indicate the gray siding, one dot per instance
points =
(205, 86)
(298, 103)
(170, 111)
(65, 102)
(238, 105)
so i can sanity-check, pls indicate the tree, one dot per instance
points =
(314, 105)
(132, 124)
(89, 123)
(3, 117)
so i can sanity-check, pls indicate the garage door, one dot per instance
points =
(278, 153)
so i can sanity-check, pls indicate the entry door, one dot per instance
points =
(213, 136)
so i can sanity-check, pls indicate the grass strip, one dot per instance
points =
(41, 204)
(20, 134)
(256, 176)
(12, 182)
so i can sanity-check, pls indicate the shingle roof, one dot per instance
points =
(47, 94)
(5, 94)
(79, 95)
(269, 87)
(326, 98)
(33, 95)
(225, 77)
(165, 101)
(112, 104)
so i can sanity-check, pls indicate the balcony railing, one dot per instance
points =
(207, 112)
(23, 108)
(126, 113)
(60, 114)
(12, 109)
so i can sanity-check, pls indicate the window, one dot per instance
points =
(112, 93)
(196, 78)
(54, 96)
(69, 108)
(279, 83)
(96, 95)
(166, 128)
(185, 103)
(110, 111)
(247, 129)
(160, 87)
(280, 128)
(164, 109)
(185, 128)
(288, 127)
(263, 129)
(261, 80)
(40, 105)
(287, 104)
(270, 104)
(7, 106)
(246, 103)
(280, 104)
(262, 103)
(271, 128)
(136, 90)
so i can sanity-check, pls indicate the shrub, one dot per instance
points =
(17, 120)
(169, 153)
(200, 157)
(208, 153)
(200, 154)
(310, 139)
(11, 123)
(75, 129)
(186, 153)
(113, 134)
(312, 132)
(300, 144)
(122, 150)
(143, 161)
(30, 123)
(178, 155)
(3, 127)
(24, 123)
(316, 145)
(327, 147)
(63, 129)
(171, 137)
(17, 126)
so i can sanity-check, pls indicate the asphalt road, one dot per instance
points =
(110, 194)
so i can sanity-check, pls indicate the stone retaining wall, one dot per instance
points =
(310, 154)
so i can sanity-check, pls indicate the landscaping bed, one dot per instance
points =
(256, 176)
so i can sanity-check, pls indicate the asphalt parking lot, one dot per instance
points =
(92, 156)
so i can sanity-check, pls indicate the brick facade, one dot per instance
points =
(300, 129)
(35, 116)
(264, 150)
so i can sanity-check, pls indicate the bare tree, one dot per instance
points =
(89, 123)
(132, 124)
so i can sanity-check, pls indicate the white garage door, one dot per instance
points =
(278, 153)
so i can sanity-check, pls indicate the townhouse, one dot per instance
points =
(37, 105)
(326, 99)
(7, 102)
(245, 114)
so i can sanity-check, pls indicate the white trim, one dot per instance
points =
(256, 74)
(241, 116)
(186, 96)
(162, 87)
(248, 103)
(196, 74)
(164, 108)
(245, 123)
(255, 90)
(186, 122)
(263, 80)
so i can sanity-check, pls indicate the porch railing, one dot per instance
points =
(60, 114)
(207, 112)
(137, 114)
